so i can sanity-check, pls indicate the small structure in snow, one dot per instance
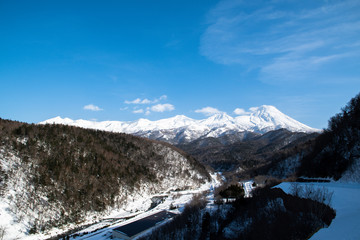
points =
(134, 229)
(248, 187)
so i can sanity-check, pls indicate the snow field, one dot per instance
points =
(346, 202)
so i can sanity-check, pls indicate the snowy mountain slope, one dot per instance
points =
(267, 118)
(180, 129)
(54, 176)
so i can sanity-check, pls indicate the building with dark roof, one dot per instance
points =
(134, 229)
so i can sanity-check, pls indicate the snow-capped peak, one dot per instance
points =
(219, 117)
(267, 118)
(175, 122)
(261, 120)
(265, 110)
(58, 120)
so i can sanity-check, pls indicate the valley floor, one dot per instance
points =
(345, 201)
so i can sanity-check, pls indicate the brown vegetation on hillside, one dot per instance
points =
(70, 171)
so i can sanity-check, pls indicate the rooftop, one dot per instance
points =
(141, 225)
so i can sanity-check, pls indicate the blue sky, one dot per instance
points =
(124, 60)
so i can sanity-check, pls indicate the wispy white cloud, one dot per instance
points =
(283, 40)
(162, 107)
(92, 107)
(138, 101)
(208, 111)
(145, 100)
(240, 111)
(137, 111)
(163, 97)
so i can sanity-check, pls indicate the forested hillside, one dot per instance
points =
(337, 149)
(52, 175)
(335, 153)
(249, 153)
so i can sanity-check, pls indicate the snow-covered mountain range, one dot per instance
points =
(180, 129)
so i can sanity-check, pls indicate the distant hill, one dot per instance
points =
(54, 175)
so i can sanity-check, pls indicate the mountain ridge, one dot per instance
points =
(180, 128)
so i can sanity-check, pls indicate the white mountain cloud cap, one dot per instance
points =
(92, 107)
(208, 111)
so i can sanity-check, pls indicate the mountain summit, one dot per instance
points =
(180, 128)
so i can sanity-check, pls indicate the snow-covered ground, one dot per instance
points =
(138, 210)
(346, 202)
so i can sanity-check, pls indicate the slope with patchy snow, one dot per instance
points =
(58, 176)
